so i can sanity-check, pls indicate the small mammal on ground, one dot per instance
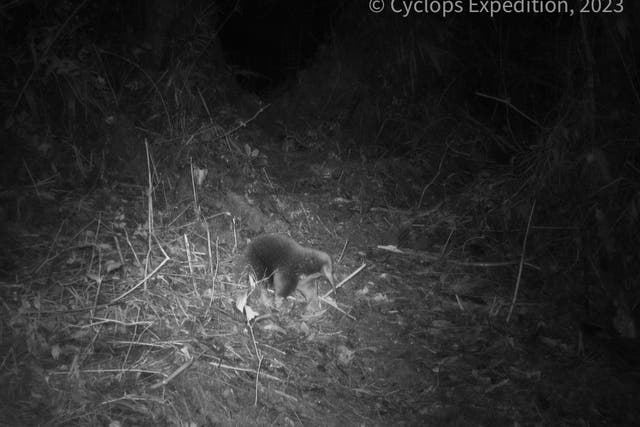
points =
(287, 265)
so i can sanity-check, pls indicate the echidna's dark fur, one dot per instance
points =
(286, 264)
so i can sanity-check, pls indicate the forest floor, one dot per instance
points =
(108, 320)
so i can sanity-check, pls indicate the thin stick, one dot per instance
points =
(524, 248)
(149, 210)
(119, 250)
(141, 282)
(243, 124)
(173, 375)
(248, 370)
(33, 181)
(235, 129)
(259, 356)
(285, 395)
(196, 207)
(135, 334)
(426, 187)
(344, 248)
(102, 320)
(149, 192)
(105, 371)
(206, 107)
(345, 280)
(334, 305)
(133, 251)
(508, 103)
(327, 301)
(53, 243)
(431, 257)
(99, 275)
(446, 244)
(213, 275)
(459, 303)
(191, 273)
(489, 264)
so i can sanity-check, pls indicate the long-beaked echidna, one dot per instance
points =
(285, 264)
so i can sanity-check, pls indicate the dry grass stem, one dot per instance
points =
(524, 250)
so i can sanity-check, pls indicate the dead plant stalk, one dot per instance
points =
(520, 267)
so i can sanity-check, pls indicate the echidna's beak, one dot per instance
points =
(327, 271)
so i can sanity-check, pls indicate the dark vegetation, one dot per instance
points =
(486, 171)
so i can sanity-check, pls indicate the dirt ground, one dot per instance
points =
(106, 324)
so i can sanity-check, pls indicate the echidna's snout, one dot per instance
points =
(327, 271)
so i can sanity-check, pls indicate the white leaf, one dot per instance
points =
(241, 301)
